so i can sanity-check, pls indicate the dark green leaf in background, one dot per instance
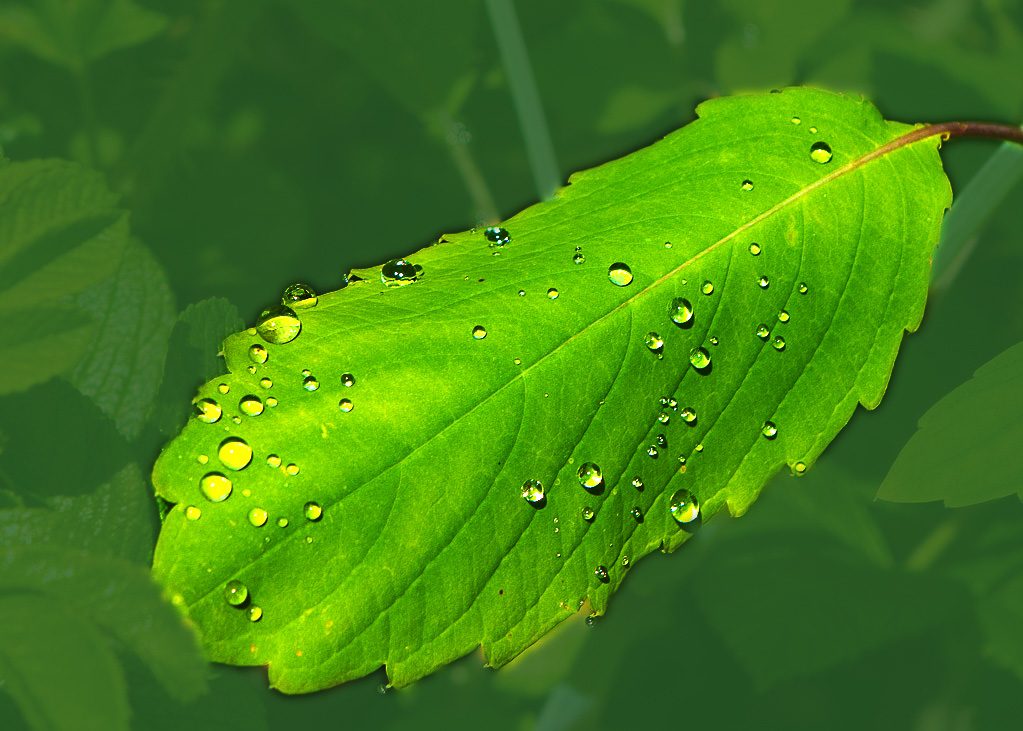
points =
(416, 417)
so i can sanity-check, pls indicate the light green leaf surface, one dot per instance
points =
(966, 450)
(426, 547)
(60, 233)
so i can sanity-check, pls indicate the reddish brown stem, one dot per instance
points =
(977, 129)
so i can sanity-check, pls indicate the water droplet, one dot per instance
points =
(308, 539)
(778, 342)
(684, 507)
(479, 332)
(496, 236)
(282, 522)
(266, 383)
(517, 361)
(688, 415)
(292, 469)
(663, 418)
(601, 573)
(681, 311)
(278, 325)
(532, 491)
(299, 296)
(637, 483)
(713, 341)
(258, 354)
(345, 405)
(799, 467)
(271, 401)
(667, 244)
(625, 559)
(274, 461)
(652, 451)
(813, 130)
(309, 383)
(754, 249)
(747, 185)
(795, 120)
(252, 369)
(620, 274)
(251, 405)
(661, 441)
(552, 293)
(257, 516)
(215, 487)
(312, 511)
(223, 388)
(193, 513)
(770, 431)
(763, 332)
(235, 453)
(637, 513)
(669, 403)
(236, 593)
(202, 459)
(590, 476)
(588, 514)
(654, 341)
(698, 447)
(820, 152)
(306, 372)
(763, 282)
(255, 614)
(802, 288)
(398, 273)
(578, 258)
(347, 380)
(700, 358)
(707, 287)
(208, 410)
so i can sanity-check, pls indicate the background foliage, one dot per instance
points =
(254, 144)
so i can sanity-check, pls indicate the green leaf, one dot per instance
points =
(60, 233)
(71, 33)
(966, 450)
(426, 547)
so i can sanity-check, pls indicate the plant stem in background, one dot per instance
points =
(484, 209)
(525, 97)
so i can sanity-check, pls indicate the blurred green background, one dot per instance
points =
(256, 143)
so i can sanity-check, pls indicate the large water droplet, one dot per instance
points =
(299, 296)
(601, 573)
(497, 236)
(235, 453)
(215, 487)
(685, 508)
(236, 593)
(820, 152)
(251, 405)
(207, 410)
(479, 332)
(312, 511)
(257, 516)
(258, 354)
(620, 274)
(278, 325)
(532, 491)
(700, 358)
(398, 273)
(681, 311)
(590, 476)
(309, 383)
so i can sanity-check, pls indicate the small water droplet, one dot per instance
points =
(802, 289)
(778, 342)
(795, 120)
(637, 513)
(652, 451)
(820, 152)
(663, 418)
(292, 469)
(688, 415)
(578, 258)
(669, 403)
(236, 593)
(667, 244)
(754, 249)
(800, 468)
(345, 405)
(588, 514)
(552, 293)
(251, 405)
(278, 325)
(813, 130)
(683, 506)
(625, 559)
(590, 476)
(255, 614)
(496, 236)
(698, 447)
(299, 296)
(312, 511)
(215, 487)
(637, 483)
(398, 273)
(707, 287)
(769, 430)
(193, 513)
(763, 282)
(282, 522)
(713, 341)
(783, 316)
(258, 354)
(309, 383)
(223, 388)
(620, 274)
(601, 573)
(479, 332)
(654, 342)
(252, 369)
(680, 311)
(271, 401)
(347, 380)
(202, 459)
(763, 332)
(747, 185)
(234, 453)
(257, 516)
(532, 491)
(700, 358)
(266, 383)
(661, 441)
(274, 461)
